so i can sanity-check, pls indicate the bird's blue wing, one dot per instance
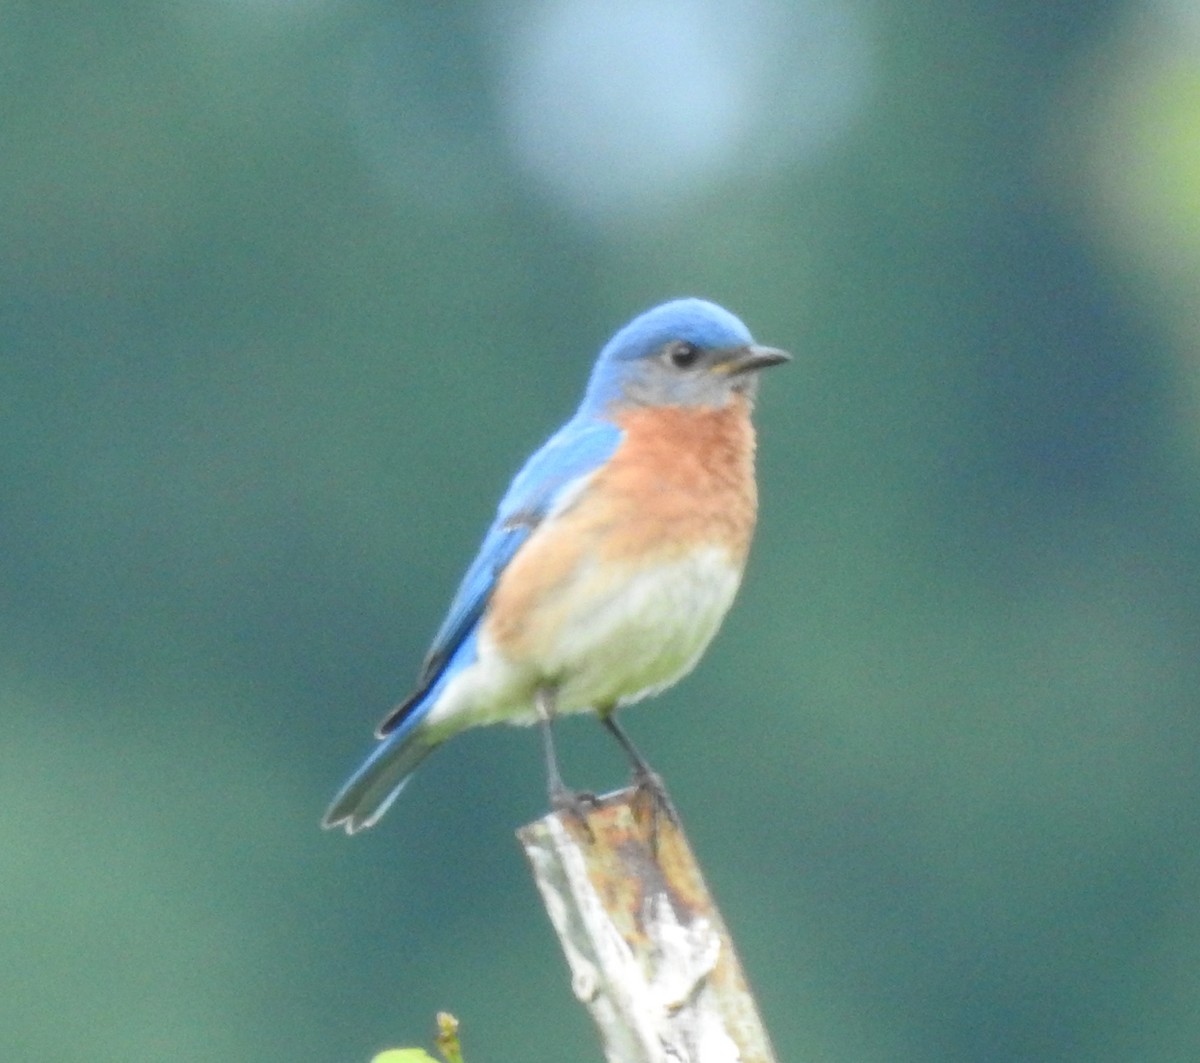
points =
(547, 480)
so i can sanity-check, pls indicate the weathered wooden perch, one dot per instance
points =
(648, 951)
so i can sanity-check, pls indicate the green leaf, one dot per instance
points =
(404, 1055)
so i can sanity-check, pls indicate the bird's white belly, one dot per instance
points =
(632, 640)
(619, 640)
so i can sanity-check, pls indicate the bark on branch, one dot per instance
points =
(649, 953)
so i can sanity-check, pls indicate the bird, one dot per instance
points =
(612, 559)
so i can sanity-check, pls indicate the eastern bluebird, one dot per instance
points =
(611, 562)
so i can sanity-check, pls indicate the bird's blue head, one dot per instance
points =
(687, 352)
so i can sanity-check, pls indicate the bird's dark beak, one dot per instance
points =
(753, 358)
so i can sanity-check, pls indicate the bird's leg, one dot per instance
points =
(644, 777)
(543, 701)
(562, 798)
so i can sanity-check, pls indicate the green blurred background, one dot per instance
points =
(287, 292)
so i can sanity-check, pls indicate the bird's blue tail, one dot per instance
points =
(372, 789)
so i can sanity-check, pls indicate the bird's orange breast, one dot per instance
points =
(681, 479)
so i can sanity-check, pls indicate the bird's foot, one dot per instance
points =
(650, 784)
(578, 804)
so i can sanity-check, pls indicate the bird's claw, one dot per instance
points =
(578, 804)
(651, 785)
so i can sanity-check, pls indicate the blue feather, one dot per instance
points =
(577, 449)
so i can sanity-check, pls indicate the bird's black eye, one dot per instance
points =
(683, 354)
